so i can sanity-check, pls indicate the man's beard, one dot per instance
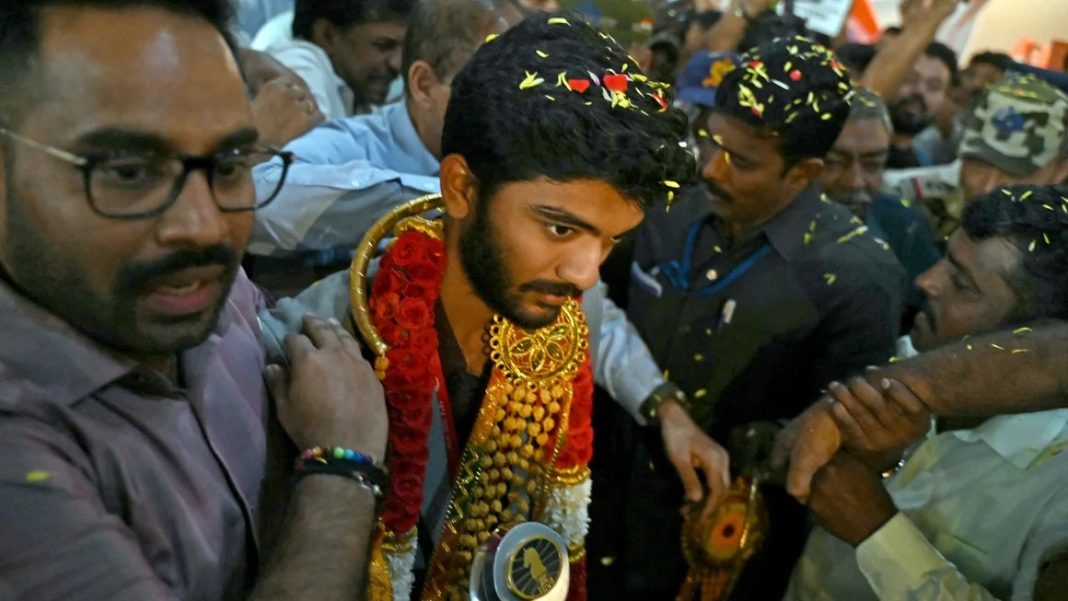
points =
(111, 319)
(859, 201)
(907, 119)
(483, 262)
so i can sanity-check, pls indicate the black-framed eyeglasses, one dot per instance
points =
(137, 186)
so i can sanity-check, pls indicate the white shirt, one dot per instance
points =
(980, 511)
(275, 31)
(331, 93)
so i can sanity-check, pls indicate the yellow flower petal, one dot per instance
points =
(37, 476)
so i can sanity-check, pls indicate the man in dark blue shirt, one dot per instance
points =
(853, 174)
(753, 292)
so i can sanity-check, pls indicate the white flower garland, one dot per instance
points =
(567, 511)
(401, 575)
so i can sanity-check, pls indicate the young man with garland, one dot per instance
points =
(554, 143)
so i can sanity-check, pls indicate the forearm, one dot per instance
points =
(727, 33)
(622, 363)
(317, 217)
(325, 544)
(1003, 372)
(890, 66)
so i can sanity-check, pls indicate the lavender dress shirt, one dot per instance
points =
(116, 485)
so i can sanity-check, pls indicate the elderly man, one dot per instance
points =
(978, 510)
(137, 436)
(853, 175)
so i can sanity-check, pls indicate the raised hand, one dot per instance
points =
(877, 425)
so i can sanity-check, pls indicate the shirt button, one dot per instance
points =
(712, 275)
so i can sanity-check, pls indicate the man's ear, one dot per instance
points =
(802, 174)
(459, 187)
(420, 80)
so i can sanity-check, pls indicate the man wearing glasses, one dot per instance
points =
(139, 452)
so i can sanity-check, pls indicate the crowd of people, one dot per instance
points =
(328, 298)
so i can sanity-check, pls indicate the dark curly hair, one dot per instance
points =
(343, 13)
(793, 89)
(513, 117)
(1035, 220)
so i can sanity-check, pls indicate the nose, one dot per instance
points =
(581, 267)
(928, 281)
(194, 220)
(854, 177)
(715, 169)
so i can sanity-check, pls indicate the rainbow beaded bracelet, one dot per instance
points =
(326, 454)
(339, 461)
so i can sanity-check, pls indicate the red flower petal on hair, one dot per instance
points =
(579, 85)
(755, 64)
(615, 82)
(660, 100)
(795, 75)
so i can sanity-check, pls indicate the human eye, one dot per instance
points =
(959, 283)
(131, 172)
(559, 231)
(385, 45)
(235, 165)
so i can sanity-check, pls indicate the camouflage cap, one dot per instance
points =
(1019, 126)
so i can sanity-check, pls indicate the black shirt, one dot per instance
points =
(751, 332)
(819, 301)
(465, 389)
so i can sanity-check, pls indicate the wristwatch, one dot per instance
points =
(668, 391)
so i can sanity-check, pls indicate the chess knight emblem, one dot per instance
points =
(528, 562)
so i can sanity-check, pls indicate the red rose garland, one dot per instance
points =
(403, 297)
(578, 447)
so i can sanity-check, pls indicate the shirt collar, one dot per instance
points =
(1020, 439)
(407, 139)
(786, 230)
(49, 353)
(65, 363)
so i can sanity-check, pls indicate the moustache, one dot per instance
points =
(553, 288)
(912, 98)
(714, 189)
(141, 275)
